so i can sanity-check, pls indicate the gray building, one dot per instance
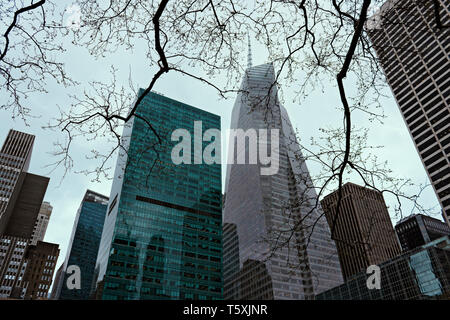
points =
(261, 202)
(15, 158)
(420, 274)
(417, 229)
(21, 198)
(363, 229)
(41, 224)
(83, 246)
(413, 51)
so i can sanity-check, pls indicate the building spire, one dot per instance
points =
(249, 57)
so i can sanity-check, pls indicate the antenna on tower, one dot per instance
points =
(249, 57)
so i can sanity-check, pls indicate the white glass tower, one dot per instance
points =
(273, 265)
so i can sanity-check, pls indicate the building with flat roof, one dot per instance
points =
(162, 237)
(420, 274)
(363, 230)
(418, 229)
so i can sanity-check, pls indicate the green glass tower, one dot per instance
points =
(162, 235)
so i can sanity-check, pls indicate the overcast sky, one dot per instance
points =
(314, 112)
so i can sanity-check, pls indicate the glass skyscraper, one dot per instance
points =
(84, 243)
(260, 260)
(162, 233)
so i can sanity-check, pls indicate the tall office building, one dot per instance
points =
(162, 233)
(363, 230)
(38, 275)
(30, 190)
(83, 245)
(15, 158)
(413, 52)
(263, 198)
(40, 227)
(12, 266)
(21, 197)
(417, 229)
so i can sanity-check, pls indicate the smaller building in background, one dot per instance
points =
(57, 284)
(363, 230)
(40, 226)
(26, 262)
(416, 230)
(38, 276)
(419, 274)
(83, 246)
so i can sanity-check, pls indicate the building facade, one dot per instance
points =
(12, 266)
(417, 68)
(15, 158)
(231, 266)
(419, 274)
(40, 227)
(363, 230)
(417, 229)
(57, 284)
(162, 237)
(83, 245)
(21, 200)
(38, 276)
(30, 191)
(264, 199)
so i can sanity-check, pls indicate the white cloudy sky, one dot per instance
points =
(314, 112)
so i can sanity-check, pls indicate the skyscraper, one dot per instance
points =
(162, 233)
(417, 229)
(38, 275)
(363, 230)
(231, 266)
(21, 196)
(413, 51)
(40, 227)
(83, 245)
(30, 190)
(15, 158)
(263, 200)
(57, 284)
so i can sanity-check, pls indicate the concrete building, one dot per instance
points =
(15, 158)
(417, 229)
(162, 237)
(40, 227)
(38, 276)
(21, 200)
(413, 52)
(419, 274)
(12, 266)
(363, 230)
